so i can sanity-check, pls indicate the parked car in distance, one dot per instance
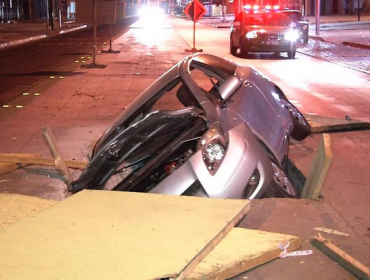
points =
(262, 31)
(299, 23)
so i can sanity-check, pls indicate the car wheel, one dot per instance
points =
(281, 186)
(301, 127)
(243, 49)
(233, 49)
(291, 53)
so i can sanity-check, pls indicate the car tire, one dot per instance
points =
(243, 49)
(233, 49)
(291, 53)
(281, 186)
(301, 127)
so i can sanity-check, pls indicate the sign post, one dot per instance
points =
(195, 11)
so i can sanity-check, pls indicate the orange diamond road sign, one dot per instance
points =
(195, 10)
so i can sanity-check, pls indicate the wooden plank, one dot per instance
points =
(241, 250)
(338, 255)
(8, 166)
(321, 124)
(38, 160)
(319, 169)
(59, 162)
(117, 235)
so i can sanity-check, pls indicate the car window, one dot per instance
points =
(294, 16)
(169, 100)
(270, 19)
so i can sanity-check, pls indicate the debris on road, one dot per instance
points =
(285, 254)
(332, 231)
(338, 255)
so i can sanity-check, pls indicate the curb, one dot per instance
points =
(356, 45)
(36, 38)
(345, 43)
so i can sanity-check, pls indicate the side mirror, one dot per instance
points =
(229, 86)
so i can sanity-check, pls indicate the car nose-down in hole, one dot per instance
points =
(207, 127)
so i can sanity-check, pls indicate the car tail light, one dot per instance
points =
(213, 146)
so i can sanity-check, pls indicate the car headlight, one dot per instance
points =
(291, 35)
(251, 34)
(213, 147)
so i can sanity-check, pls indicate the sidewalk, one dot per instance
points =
(79, 107)
(12, 34)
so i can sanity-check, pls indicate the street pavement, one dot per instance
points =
(79, 107)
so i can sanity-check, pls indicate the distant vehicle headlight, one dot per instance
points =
(150, 13)
(213, 148)
(291, 35)
(251, 34)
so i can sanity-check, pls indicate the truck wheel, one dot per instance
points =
(305, 39)
(233, 49)
(291, 53)
(243, 49)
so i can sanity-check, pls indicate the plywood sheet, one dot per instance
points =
(116, 235)
(241, 250)
(15, 207)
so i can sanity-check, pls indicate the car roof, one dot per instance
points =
(289, 11)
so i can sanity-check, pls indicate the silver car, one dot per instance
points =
(207, 127)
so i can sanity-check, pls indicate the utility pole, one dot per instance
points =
(95, 19)
(30, 16)
(318, 4)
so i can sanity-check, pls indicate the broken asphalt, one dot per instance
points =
(78, 107)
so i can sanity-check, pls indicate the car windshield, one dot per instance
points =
(293, 16)
(269, 19)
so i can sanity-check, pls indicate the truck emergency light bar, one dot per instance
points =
(256, 7)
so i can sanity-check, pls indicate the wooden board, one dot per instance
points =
(7, 167)
(59, 161)
(319, 169)
(117, 235)
(338, 255)
(38, 160)
(325, 124)
(241, 250)
(15, 207)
